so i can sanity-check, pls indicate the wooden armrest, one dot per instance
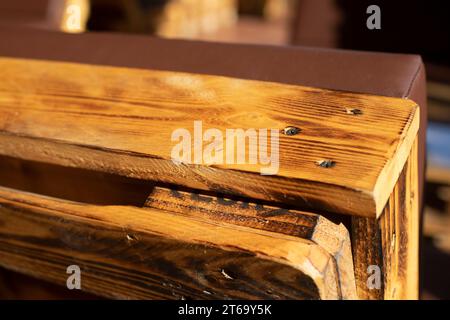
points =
(340, 153)
(121, 121)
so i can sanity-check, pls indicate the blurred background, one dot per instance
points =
(420, 27)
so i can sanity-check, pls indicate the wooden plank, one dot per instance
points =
(439, 175)
(130, 252)
(399, 225)
(17, 286)
(333, 238)
(366, 248)
(120, 120)
(392, 241)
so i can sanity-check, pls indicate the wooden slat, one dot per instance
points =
(120, 120)
(129, 252)
(399, 225)
(333, 238)
(392, 241)
(366, 248)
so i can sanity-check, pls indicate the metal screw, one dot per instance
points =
(326, 163)
(291, 131)
(353, 111)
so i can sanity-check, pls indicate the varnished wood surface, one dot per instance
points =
(392, 241)
(367, 251)
(399, 225)
(333, 238)
(129, 252)
(16, 286)
(120, 121)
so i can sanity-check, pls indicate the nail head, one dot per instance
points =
(291, 131)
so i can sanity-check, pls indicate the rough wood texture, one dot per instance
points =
(120, 121)
(366, 248)
(333, 238)
(399, 225)
(392, 241)
(129, 252)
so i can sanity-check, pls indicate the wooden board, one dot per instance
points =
(399, 226)
(120, 120)
(130, 252)
(333, 238)
(392, 241)
(367, 251)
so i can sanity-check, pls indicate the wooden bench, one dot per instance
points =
(345, 198)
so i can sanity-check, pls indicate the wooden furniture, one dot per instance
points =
(345, 197)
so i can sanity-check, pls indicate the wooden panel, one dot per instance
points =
(367, 251)
(120, 120)
(129, 252)
(400, 235)
(16, 286)
(333, 238)
(392, 241)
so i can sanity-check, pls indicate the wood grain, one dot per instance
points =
(367, 251)
(120, 121)
(129, 252)
(392, 241)
(333, 238)
(399, 225)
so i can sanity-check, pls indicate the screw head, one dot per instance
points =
(291, 131)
